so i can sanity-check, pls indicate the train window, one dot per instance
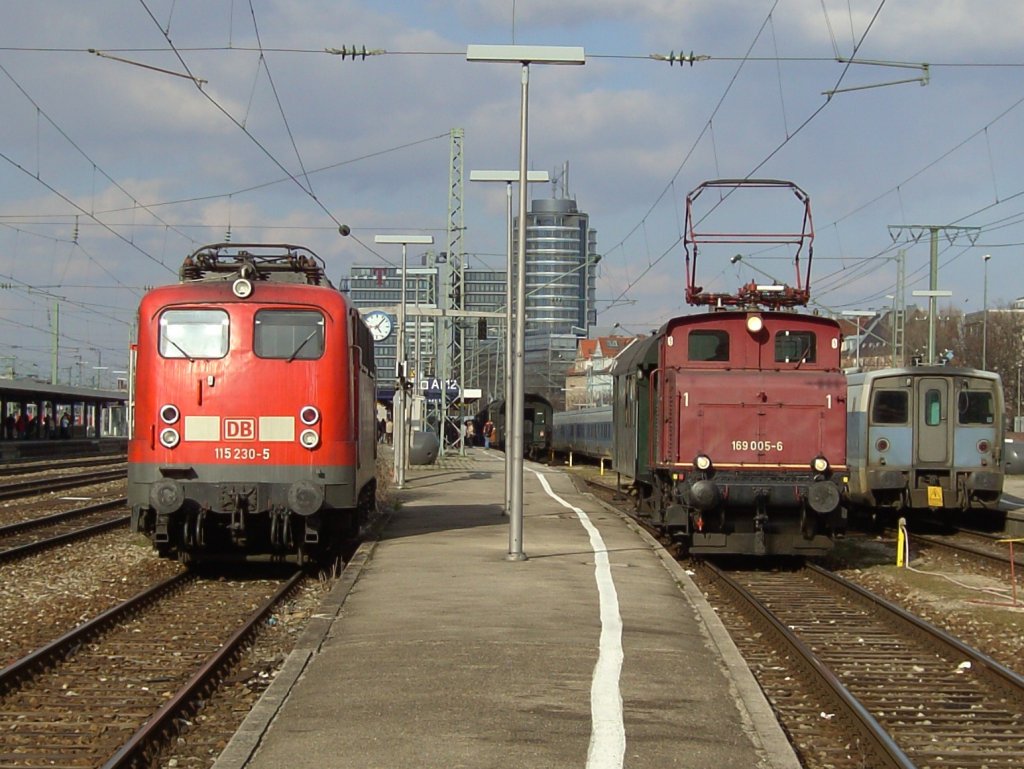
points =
(932, 408)
(795, 347)
(889, 407)
(975, 408)
(289, 334)
(194, 334)
(708, 345)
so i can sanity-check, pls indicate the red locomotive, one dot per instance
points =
(747, 445)
(253, 409)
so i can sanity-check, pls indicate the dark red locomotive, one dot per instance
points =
(747, 443)
(253, 409)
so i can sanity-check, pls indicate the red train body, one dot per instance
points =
(748, 426)
(748, 432)
(253, 409)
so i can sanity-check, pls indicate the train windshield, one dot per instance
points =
(194, 334)
(890, 407)
(708, 345)
(975, 408)
(289, 334)
(794, 347)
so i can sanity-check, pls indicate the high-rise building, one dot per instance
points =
(561, 256)
(561, 272)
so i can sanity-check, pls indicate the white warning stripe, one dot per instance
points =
(607, 730)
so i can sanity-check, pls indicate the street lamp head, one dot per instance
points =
(404, 239)
(735, 259)
(507, 176)
(986, 257)
(527, 54)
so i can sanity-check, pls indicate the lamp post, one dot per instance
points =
(984, 318)
(508, 177)
(400, 414)
(523, 55)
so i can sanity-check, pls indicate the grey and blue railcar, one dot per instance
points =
(586, 432)
(925, 437)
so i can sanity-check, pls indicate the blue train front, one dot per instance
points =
(925, 437)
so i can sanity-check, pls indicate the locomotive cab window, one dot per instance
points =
(708, 345)
(795, 347)
(975, 408)
(889, 407)
(289, 334)
(194, 334)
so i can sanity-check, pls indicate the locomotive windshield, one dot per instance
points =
(890, 407)
(708, 345)
(975, 408)
(794, 347)
(194, 334)
(289, 334)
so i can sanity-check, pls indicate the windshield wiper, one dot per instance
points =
(180, 349)
(303, 344)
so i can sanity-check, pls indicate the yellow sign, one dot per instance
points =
(935, 496)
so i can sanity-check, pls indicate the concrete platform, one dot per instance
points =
(436, 650)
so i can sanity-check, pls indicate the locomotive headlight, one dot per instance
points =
(882, 445)
(310, 439)
(754, 323)
(309, 415)
(169, 438)
(702, 462)
(819, 464)
(983, 446)
(169, 414)
(242, 288)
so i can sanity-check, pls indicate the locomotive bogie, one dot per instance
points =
(753, 512)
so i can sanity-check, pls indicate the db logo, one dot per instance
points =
(240, 429)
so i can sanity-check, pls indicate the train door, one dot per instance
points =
(932, 421)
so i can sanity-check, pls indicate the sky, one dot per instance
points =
(135, 132)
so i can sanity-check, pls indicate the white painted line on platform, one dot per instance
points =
(607, 730)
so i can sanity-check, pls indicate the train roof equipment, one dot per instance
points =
(279, 262)
(769, 296)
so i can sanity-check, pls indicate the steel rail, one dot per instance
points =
(139, 750)
(873, 733)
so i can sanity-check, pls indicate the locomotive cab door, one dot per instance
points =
(933, 426)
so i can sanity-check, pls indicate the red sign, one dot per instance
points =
(240, 429)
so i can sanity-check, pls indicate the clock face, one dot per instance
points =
(379, 324)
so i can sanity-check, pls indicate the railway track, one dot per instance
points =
(859, 682)
(110, 692)
(18, 539)
(983, 548)
(49, 483)
(27, 467)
